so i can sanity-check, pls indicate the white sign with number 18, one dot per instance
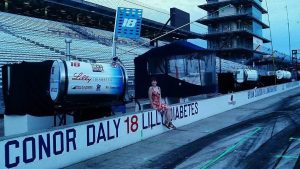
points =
(129, 23)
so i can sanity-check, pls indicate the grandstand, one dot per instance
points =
(37, 39)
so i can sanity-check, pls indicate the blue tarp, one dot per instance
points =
(175, 48)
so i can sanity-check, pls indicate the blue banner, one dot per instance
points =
(128, 23)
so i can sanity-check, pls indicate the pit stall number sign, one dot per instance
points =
(62, 147)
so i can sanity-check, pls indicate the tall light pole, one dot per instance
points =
(288, 24)
(271, 38)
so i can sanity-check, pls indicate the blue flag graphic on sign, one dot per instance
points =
(128, 23)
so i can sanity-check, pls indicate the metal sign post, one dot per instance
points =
(295, 58)
(114, 47)
(68, 48)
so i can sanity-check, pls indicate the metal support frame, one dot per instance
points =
(61, 117)
(159, 32)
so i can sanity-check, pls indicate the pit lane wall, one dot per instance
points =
(63, 146)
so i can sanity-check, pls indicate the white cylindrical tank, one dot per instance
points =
(287, 75)
(243, 75)
(76, 83)
(282, 74)
(252, 75)
(279, 74)
(240, 76)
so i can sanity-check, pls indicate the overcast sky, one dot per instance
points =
(158, 10)
(277, 11)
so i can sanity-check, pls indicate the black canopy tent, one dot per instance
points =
(155, 63)
(25, 88)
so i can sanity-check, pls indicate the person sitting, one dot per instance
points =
(154, 94)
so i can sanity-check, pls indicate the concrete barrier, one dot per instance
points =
(63, 146)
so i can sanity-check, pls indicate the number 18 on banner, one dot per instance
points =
(128, 23)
